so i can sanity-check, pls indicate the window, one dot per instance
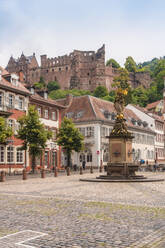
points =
(54, 155)
(11, 123)
(54, 134)
(20, 103)
(53, 116)
(10, 154)
(11, 101)
(39, 112)
(1, 98)
(19, 156)
(46, 113)
(89, 157)
(82, 130)
(90, 131)
(2, 153)
(46, 158)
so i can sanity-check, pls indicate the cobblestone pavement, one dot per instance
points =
(70, 213)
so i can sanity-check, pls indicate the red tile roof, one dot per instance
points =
(37, 97)
(6, 84)
(152, 105)
(88, 108)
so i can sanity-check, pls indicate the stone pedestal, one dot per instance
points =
(121, 161)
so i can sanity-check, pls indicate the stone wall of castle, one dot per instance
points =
(80, 69)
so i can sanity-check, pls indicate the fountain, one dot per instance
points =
(121, 167)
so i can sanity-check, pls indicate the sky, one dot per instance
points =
(57, 27)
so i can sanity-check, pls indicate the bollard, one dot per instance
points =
(2, 176)
(68, 171)
(100, 169)
(42, 173)
(24, 174)
(91, 169)
(55, 172)
(81, 170)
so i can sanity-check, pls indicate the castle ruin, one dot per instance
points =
(79, 70)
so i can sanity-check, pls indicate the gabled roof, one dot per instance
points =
(153, 104)
(157, 117)
(144, 110)
(89, 108)
(42, 100)
(7, 85)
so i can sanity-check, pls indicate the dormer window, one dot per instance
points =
(145, 124)
(14, 79)
(107, 114)
(113, 116)
(139, 122)
(133, 121)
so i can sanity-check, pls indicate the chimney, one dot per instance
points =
(21, 76)
(32, 90)
(45, 95)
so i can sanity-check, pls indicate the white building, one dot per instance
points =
(95, 119)
(156, 124)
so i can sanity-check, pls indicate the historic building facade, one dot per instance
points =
(156, 123)
(50, 115)
(80, 69)
(14, 99)
(95, 118)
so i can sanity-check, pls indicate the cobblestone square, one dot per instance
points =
(64, 212)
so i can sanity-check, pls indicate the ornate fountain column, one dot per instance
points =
(120, 142)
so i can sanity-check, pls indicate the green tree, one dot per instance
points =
(159, 67)
(58, 94)
(113, 63)
(100, 91)
(41, 84)
(140, 96)
(5, 131)
(53, 85)
(69, 138)
(152, 93)
(33, 134)
(110, 97)
(130, 64)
